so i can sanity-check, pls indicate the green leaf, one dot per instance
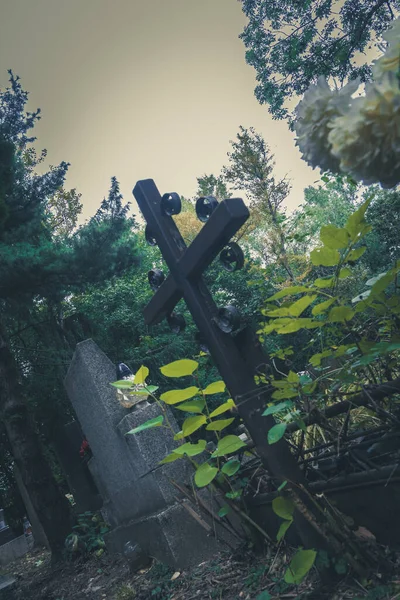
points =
(283, 529)
(179, 435)
(148, 389)
(264, 596)
(300, 565)
(296, 324)
(324, 282)
(192, 424)
(193, 406)
(277, 312)
(356, 253)
(276, 433)
(301, 424)
(228, 445)
(219, 425)
(170, 458)
(334, 237)
(191, 449)
(285, 393)
(224, 511)
(283, 484)
(356, 224)
(344, 273)
(234, 495)
(340, 314)
(315, 360)
(300, 305)
(179, 368)
(276, 408)
(231, 467)
(309, 388)
(322, 307)
(204, 475)
(293, 377)
(380, 285)
(214, 388)
(283, 507)
(325, 257)
(228, 405)
(289, 291)
(123, 384)
(281, 383)
(175, 396)
(156, 422)
(141, 375)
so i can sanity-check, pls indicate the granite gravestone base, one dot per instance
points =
(140, 501)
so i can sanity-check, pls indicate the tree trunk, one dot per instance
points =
(51, 506)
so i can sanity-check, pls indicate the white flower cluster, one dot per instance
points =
(358, 136)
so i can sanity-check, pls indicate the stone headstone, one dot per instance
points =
(140, 501)
(6, 535)
(39, 535)
(14, 549)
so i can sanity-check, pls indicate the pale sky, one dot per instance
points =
(139, 89)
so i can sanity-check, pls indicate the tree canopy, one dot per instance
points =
(291, 43)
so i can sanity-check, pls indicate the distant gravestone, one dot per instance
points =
(140, 502)
(6, 535)
(39, 535)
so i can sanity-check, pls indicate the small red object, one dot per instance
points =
(84, 449)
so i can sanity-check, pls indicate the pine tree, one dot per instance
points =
(36, 266)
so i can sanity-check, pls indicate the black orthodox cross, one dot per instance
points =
(186, 266)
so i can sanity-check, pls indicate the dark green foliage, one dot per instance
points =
(40, 267)
(331, 202)
(87, 536)
(210, 185)
(290, 43)
(384, 239)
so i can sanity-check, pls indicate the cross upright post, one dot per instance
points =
(186, 266)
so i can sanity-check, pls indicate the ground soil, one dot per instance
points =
(243, 577)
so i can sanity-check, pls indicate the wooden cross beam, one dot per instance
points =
(185, 280)
(186, 265)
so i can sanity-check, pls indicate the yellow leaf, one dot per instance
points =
(192, 424)
(204, 475)
(191, 449)
(141, 375)
(179, 368)
(170, 458)
(214, 388)
(219, 425)
(228, 405)
(175, 396)
(322, 307)
(298, 307)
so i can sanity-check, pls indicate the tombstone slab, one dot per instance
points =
(99, 412)
(140, 501)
